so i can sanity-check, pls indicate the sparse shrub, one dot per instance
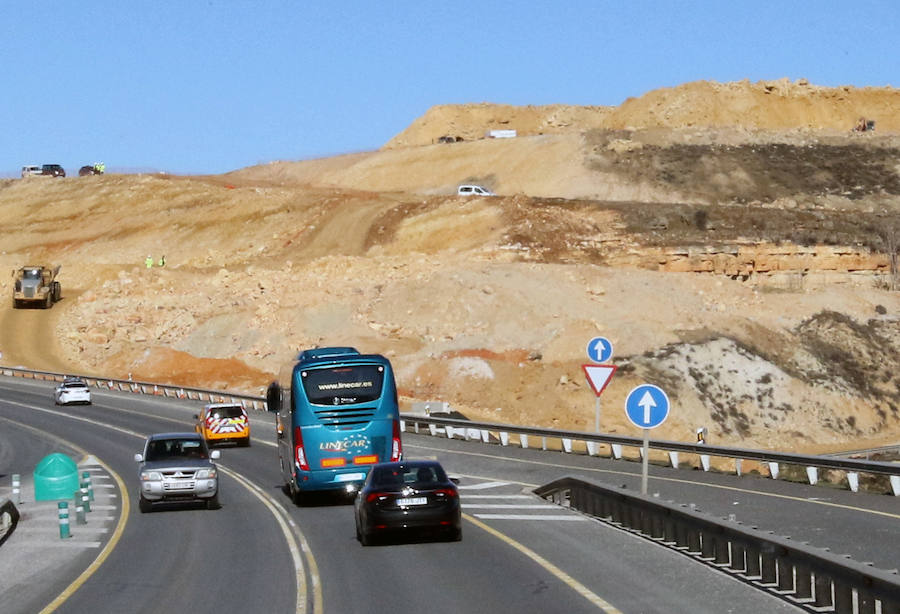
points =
(701, 219)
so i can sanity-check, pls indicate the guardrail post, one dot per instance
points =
(737, 466)
(617, 451)
(853, 480)
(785, 575)
(722, 551)
(673, 459)
(803, 579)
(768, 570)
(543, 443)
(823, 597)
(812, 473)
(567, 445)
(523, 441)
(773, 470)
(704, 461)
(16, 489)
(865, 602)
(485, 436)
(754, 566)
(591, 448)
(708, 546)
(504, 438)
(738, 557)
(895, 485)
(843, 597)
(63, 510)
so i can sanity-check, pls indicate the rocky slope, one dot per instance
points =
(751, 273)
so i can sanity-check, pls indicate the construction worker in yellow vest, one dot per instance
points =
(149, 261)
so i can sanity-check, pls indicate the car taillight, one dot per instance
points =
(376, 495)
(396, 447)
(299, 454)
(447, 492)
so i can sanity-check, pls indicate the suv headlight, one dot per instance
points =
(151, 476)
(206, 474)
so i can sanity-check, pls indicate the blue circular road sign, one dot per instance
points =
(647, 406)
(599, 349)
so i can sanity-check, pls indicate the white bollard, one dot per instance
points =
(16, 489)
(673, 459)
(813, 474)
(853, 479)
(403, 426)
(737, 466)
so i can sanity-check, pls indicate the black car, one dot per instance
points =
(407, 496)
(54, 170)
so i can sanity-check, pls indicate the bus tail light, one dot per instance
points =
(368, 459)
(333, 462)
(396, 448)
(299, 454)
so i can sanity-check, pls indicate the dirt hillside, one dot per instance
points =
(746, 263)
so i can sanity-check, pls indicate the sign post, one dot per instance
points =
(599, 349)
(646, 407)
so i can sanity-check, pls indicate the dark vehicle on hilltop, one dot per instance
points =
(53, 170)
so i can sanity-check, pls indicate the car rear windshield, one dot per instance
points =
(229, 411)
(343, 385)
(418, 475)
(165, 449)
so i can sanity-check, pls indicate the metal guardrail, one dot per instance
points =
(127, 385)
(592, 442)
(9, 519)
(489, 432)
(812, 578)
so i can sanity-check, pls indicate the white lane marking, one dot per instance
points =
(572, 518)
(504, 497)
(509, 506)
(483, 485)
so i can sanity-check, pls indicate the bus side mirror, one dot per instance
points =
(273, 397)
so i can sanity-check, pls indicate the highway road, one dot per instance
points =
(519, 553)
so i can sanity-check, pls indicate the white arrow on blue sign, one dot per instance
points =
(647, 406)
(599, 349)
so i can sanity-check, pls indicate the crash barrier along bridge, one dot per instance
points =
(812, 578)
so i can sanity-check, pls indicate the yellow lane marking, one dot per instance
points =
(676, 480)
(568, 580)
(288, 534)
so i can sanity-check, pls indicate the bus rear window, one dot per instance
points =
(343, 385)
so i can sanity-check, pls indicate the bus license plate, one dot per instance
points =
(412, 501)
(350, 477)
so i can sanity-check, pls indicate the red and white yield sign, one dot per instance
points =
(598, 376)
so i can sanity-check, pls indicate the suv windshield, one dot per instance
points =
(164, 449)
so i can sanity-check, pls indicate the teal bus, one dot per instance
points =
(336, 416)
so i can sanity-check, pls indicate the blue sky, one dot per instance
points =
(211, 86)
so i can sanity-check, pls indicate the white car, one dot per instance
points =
(473, 190)
(33, 169)
(72, 390)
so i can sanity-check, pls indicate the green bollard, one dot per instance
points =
(80, 518)
(63, 520)
(85, 500)
(86, 481)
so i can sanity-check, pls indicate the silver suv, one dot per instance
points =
(177, 467)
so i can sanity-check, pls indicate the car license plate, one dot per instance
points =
(350, 477)
(179, 484)
(412, 501)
